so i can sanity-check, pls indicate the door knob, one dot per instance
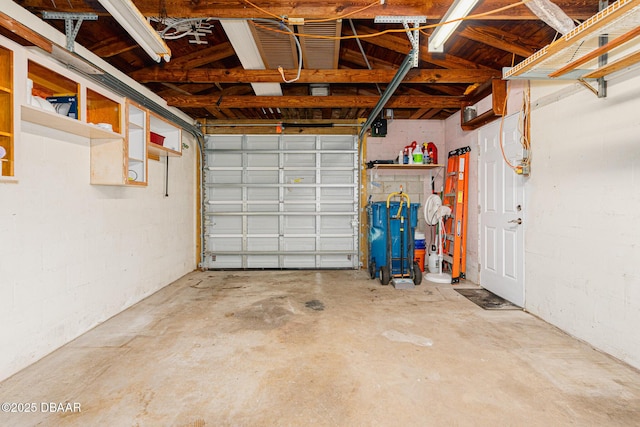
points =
(516, 221)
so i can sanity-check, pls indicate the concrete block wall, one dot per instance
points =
(581, 238)
(417, 184)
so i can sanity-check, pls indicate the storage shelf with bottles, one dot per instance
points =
(6, 112)
(415, 166)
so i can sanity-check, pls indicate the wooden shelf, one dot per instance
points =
(172, 145)
(407, 167)
(159, 150)
(6, 111)
(66, 124)
(495, 87)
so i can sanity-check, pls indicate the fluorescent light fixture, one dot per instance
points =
(134, 23)
(459, 9)
(244, 44)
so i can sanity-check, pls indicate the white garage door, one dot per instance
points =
(281, 201)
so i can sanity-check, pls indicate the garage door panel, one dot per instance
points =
(225, 142)
(299, 160)
(300, 207)
(226, 261)
(262, 177)
(226, 225)
(262, 194)
(336, 244)
(299, 142)
(299, 177)
(227, 243)
(336, 160)
(337, 207)
(224, 194)
(263, 224)
(285, 201)
(262, 160)
(337, 178)
(335, 261)
(262, 142)
(300, 224)
(227, 177)
(336, 142)
(336, 224)
(261, 244)
(262, 207)
(336, 193)
(293, 193)
(225, 207)
(262, 261)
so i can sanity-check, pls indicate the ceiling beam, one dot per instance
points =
(24, 33)
(239, 75)
(201, 57)
(421, 101)
(308, 9)
(400, 44)
(112, 46)
(500, 39)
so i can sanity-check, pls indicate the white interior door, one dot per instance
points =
(502, 212)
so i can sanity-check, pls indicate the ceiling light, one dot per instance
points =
(459, 9)
(132, 20)
(319, 89)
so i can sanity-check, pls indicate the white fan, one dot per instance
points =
(434, 212)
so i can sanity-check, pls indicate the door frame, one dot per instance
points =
(500, 128)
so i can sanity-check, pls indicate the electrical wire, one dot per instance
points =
(523, 126)
(280, 18)
(380, 33)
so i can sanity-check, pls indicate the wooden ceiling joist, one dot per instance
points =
(499, 39)
(312, 101)
(24, 33)
(239, 75)
(314, 9)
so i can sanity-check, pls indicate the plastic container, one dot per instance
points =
(419, 241)
(377, 212)
(417, 155)
(418, 256)
(434, 266)
(156, 138)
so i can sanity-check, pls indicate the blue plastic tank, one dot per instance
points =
(377, 212)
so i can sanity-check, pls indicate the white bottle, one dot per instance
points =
(401, 157)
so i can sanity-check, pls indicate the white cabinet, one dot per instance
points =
(123, 160)
(117, 129)
(170, 135)
(137, 136)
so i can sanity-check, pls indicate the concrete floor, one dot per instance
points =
(299, 348)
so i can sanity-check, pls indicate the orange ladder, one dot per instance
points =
(455, 225)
